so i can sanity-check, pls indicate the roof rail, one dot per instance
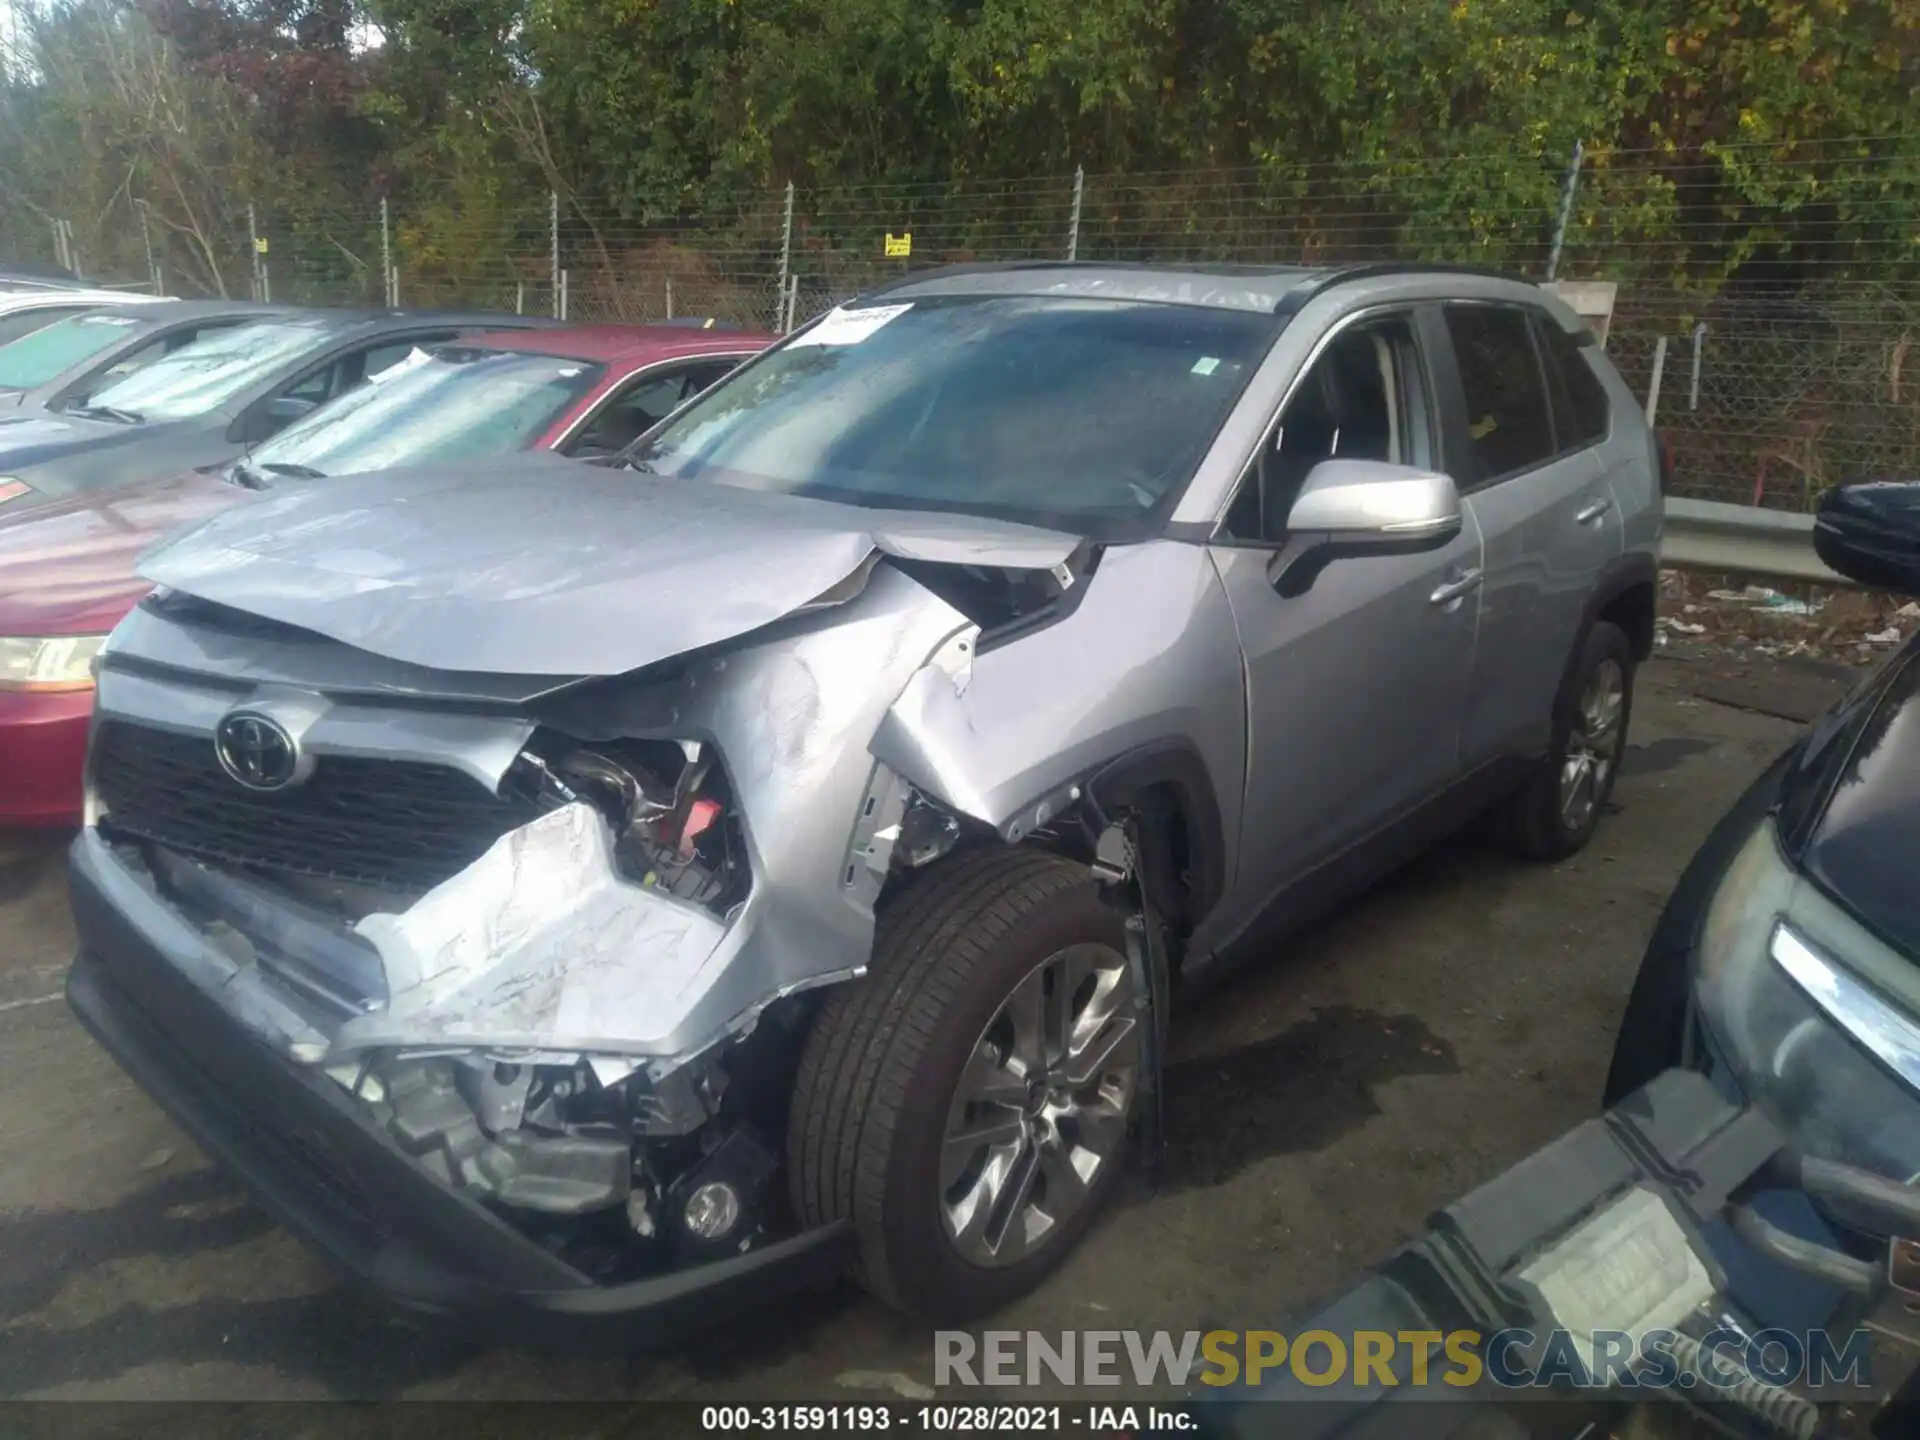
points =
(1294, 299)
(969, 267)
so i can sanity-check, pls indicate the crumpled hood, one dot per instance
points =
(536, 565)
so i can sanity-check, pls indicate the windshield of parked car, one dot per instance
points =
(451, 404)
(209, 372)
(1079, 414)
(37, 358)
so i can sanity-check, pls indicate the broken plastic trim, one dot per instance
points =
(539, 944)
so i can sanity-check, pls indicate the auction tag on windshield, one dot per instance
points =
(850, 327)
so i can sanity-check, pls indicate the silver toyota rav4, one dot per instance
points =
(616, 893)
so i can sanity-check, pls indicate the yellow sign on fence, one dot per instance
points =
(899, 246)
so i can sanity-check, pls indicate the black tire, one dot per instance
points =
(885, 1054)
(1532, 820)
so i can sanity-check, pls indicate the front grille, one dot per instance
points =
(397, 824)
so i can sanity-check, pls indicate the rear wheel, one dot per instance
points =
(966, 1104)
(1556, 812)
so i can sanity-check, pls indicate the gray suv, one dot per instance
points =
(617, 893)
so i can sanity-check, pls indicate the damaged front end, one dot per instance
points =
(554, 939)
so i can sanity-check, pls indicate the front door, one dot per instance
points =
(1355, 689)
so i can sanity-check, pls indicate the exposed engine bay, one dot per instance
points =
(437, 1008)
(669, 805)
(562, 936)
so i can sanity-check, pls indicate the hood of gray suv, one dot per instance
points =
(536, 565)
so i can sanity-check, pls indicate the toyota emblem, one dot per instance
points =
(256, 751)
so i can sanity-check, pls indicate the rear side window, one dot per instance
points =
(1580, 415)
(1508, 414)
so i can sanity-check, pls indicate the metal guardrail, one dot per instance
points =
(1712, 535)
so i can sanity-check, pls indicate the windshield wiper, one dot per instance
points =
(107, 412)
(247, 473)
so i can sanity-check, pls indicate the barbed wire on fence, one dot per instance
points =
(1785, 280)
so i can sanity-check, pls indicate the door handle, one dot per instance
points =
(1465, 583)
(1588, 514)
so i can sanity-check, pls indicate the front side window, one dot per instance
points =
(452, 404)
(1507, 409)
(212, 370)
(644, 404)
(1085, 415)
(1360, 400)
(54, 349)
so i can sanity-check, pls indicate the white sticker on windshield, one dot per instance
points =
(850, 327)
(567, 372)
(413, 361)
(1206, 365)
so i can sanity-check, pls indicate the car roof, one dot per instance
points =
(37, 272)
(168, 312)
(624, 343)
(66, 296)
(1273, 289)
(376, 321)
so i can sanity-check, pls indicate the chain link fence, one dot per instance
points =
(1776, 291)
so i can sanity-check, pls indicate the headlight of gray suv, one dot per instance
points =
(1830, 1056)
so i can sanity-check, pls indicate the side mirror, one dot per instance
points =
(1870, 533)
(1352, 508)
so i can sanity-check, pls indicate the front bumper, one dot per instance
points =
(296, 1140)
(43, 751)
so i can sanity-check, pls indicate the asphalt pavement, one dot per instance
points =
(1321, 1105)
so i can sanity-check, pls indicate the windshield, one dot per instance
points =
(203, 376)
(1082, 415)
(35, 359)
(451, 404)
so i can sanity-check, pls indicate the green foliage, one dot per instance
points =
(1432, 127)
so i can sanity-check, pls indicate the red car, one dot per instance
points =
(67, 569)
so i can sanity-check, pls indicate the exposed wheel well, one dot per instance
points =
(1632, 610)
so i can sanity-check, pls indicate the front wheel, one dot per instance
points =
(966, 1104)
(1556, 812)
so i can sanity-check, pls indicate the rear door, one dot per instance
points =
(1546, 518)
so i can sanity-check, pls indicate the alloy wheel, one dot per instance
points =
(1593, 744)
(1041, 1107)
